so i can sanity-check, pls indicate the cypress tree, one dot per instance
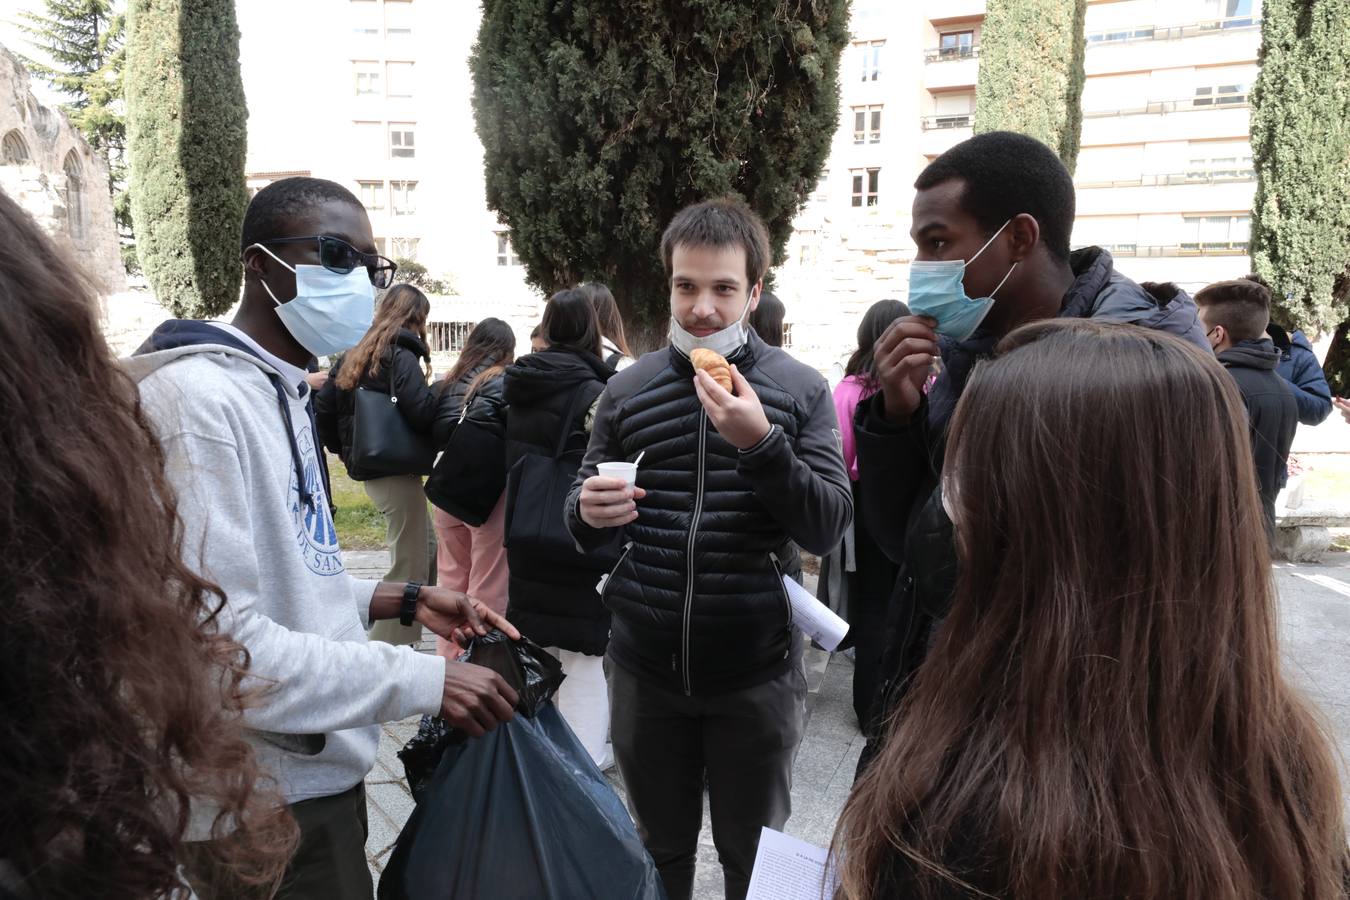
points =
(600, 120)
(1031, 72)
(186, 135)
(1301, 150)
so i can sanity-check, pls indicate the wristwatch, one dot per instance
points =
(408, 608)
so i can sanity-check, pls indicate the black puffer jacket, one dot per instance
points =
(450, 402)
(401, 375)
(553, 605)
(697, 596)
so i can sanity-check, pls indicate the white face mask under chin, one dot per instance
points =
(725, 341)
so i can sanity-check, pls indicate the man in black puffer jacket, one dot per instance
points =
(704, 665)
(999, 208)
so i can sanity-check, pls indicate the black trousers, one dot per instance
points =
(743, 743)
(329, 863)
(869, 596)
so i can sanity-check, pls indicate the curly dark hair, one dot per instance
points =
(122, 701)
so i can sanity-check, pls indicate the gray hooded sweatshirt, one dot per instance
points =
(241, 455)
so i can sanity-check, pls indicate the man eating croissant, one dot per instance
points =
(741, 460)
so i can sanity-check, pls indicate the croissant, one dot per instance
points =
(714, 364)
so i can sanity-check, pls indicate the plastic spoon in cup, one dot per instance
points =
(637, 462)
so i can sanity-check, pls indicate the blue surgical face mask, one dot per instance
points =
(937, 290)
(331, 312)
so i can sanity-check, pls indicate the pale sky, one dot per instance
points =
(17, 42)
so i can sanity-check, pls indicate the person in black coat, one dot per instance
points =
(392, 359)
(472, 558)
(1236, 314)
(551, 394)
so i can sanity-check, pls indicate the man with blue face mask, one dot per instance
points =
(229, 403)
(991, 225)
(704, 665)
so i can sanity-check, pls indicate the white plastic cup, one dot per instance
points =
(624, 470)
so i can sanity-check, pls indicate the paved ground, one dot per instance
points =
(1315, 641)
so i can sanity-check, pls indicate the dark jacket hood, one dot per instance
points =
(1252, 354)
(535, 377)
(410, 341)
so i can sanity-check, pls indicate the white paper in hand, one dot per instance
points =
(790, 869)
(813, 617)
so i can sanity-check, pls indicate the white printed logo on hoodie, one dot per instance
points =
(315, 534)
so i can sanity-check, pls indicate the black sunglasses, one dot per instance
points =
(336, 255)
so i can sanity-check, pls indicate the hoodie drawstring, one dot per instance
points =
(305, 496)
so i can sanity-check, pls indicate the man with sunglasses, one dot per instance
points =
(229, 402)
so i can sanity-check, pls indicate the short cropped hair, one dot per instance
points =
(1007, 174)
(1241, 306)
(724, 222)
(274, 207)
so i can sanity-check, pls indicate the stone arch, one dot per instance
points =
(75, 188)
(14, 149)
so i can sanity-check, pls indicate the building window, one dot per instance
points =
(449, 337)
(1235, 167)
(403, 197)
(401, 144)
(1220, 95)
(1216, 234)
(399, 78)
(372, 194)
(404, 247)
(75, 212)
(398, 21)
(505, 255)
(14, 149)
(865, 183)
(808, 248)
(951, 111)
(956, 45)
(787, 336)
(367, 78)
(867, 124)
(870, 54)
(822, 192)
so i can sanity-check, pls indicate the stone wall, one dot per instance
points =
(50, 169)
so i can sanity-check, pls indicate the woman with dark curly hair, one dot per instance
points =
(122, 701)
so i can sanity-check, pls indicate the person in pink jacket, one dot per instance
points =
(866, 575)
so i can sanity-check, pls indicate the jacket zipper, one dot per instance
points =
(689, 555)
(787, 601)
(603, 586)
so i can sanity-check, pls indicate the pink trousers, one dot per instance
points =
(471, 560)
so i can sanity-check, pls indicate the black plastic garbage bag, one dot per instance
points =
(530, 669)
(518, 814)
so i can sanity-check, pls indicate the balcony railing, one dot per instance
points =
(1171, 32)
(1209, 248)
(950, 54)
(1188, 104)
(1195, 176)
(961, 120)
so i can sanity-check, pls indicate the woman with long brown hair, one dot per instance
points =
(122, 700)
(1102, 713)
(393, 358)
(471, 557)
(613, 343)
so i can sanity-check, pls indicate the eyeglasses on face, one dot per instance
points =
(336, 255)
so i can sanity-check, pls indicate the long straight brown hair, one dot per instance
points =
(1102, 713)
(402, 306)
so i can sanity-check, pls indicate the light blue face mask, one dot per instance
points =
(937, 290)
(331, 312)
